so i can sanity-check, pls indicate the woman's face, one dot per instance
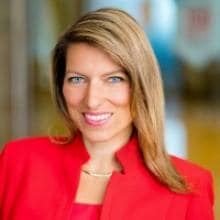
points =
(97, 94)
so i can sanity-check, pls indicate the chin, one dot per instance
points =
(96, 136)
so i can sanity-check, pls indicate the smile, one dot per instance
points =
(97, 118)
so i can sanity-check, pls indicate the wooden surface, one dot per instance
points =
(202, 123)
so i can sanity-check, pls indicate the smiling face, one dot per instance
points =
(97, 94)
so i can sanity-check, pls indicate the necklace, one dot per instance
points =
(101, 175)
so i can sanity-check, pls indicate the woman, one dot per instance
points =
(113, 165)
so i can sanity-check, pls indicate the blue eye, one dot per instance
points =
(115, 79)
(76, 79)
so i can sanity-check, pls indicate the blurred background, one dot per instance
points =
(185, 37)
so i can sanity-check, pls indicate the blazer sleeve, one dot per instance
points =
(5, 197)
(201, 205)
(2, 181)
(11, 161)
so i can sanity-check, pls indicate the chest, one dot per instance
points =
(91, 189)
(46, 195)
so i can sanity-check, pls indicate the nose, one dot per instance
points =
(94, 95)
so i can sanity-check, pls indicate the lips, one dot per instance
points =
(97, 118)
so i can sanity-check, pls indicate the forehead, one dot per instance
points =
(86, 58)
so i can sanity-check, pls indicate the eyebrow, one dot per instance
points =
(105, 74)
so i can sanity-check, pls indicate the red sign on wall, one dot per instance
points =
(197, 22)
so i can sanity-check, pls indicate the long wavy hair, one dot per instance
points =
(119, 35)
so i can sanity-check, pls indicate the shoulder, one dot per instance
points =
(188, 169)
(26, 144)
(28, 141)
(30, 155)
(18, 155)
(193, 173)
(201, 182)
(199, 178)
(30, 147)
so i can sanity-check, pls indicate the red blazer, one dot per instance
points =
(38, 181)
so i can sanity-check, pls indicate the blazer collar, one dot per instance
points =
(128, 155)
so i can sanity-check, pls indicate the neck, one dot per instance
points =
(102, 154)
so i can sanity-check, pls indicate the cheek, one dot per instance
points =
(121, 97)
(72, 98)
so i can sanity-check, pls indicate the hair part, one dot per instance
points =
(120, 36)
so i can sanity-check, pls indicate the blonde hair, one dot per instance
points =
(119, 35)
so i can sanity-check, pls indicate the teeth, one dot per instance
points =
(97, 117)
